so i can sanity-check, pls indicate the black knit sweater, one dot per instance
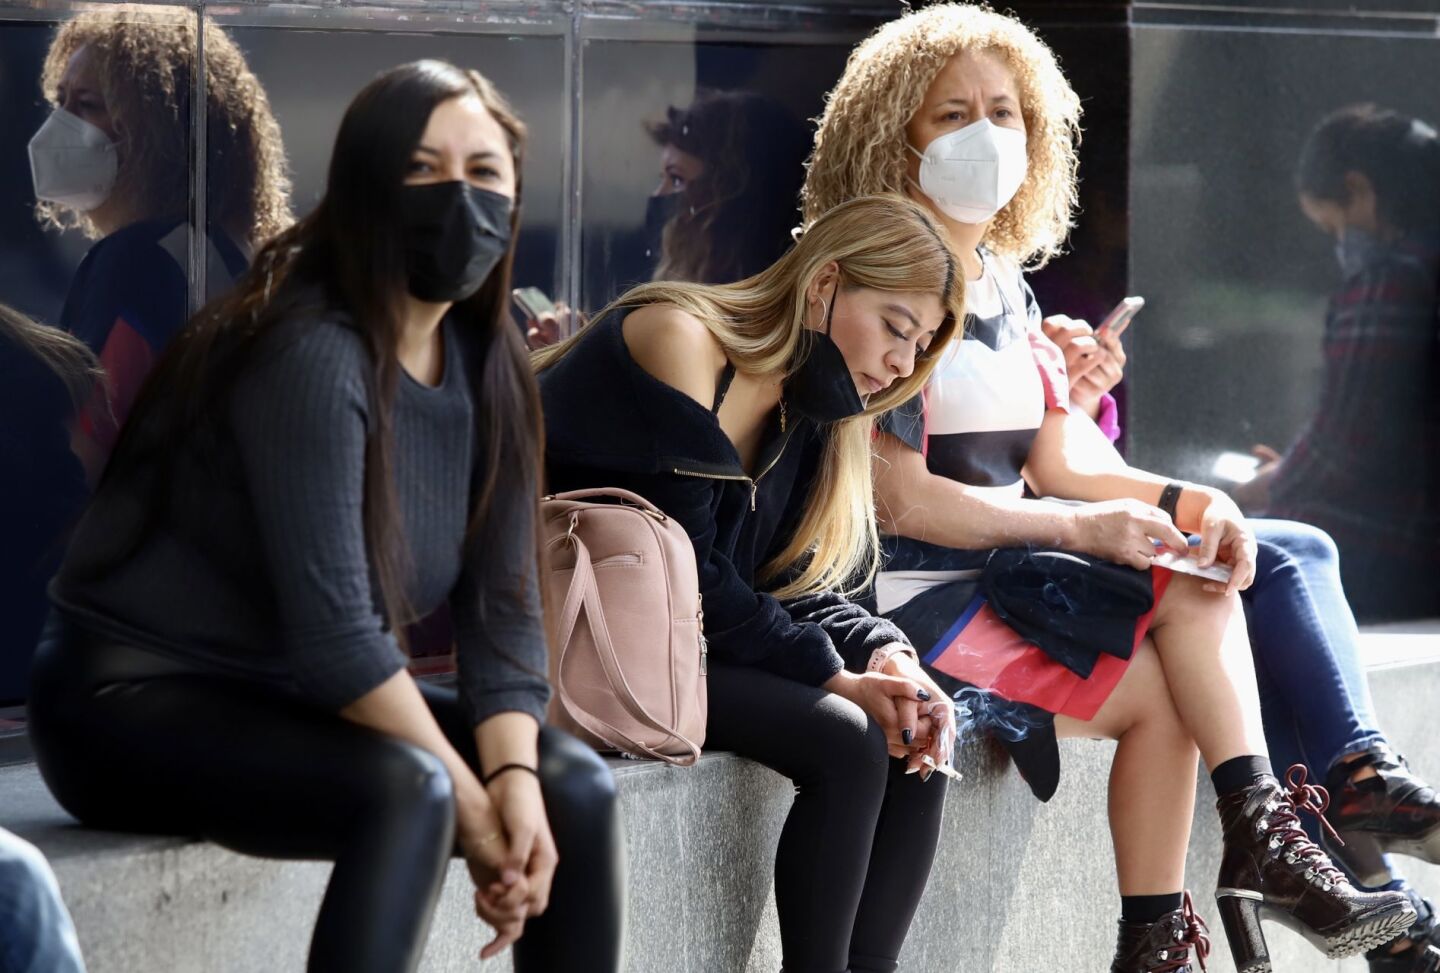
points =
(259, 566)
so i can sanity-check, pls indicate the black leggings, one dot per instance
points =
(129, 741)
(857, 846)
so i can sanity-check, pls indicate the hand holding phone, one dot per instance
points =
(1120, 317)
(532, 302)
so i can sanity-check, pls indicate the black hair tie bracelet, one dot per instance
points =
(485, 781)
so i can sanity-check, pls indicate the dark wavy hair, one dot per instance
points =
(735, 219)
(348, 254)
(1400, 156)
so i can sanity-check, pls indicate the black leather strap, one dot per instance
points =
(724, 386)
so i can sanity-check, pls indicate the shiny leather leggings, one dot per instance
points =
(129, 741)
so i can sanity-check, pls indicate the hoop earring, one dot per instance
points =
(824, 311)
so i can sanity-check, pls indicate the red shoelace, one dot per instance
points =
(1285, 822)
(1194, 935)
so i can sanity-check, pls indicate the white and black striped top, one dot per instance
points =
(977, 418)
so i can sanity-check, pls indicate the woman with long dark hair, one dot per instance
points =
(315, 463)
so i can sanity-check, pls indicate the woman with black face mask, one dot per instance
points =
(317, 462)
(745, 412)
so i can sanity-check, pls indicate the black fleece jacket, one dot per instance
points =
(610, 423)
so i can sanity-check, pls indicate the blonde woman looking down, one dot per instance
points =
(745, 411)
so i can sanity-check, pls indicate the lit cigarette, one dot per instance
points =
(945, 769)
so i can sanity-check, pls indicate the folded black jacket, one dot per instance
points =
(1072, 606)
(610, 423)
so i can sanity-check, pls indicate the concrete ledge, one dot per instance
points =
(1017, 886)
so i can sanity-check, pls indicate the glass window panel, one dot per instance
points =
(721, 128)
(107, 261)
(310, 76)
(1231, 351)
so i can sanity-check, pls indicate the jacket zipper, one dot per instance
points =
(735, 476)
(720, 476)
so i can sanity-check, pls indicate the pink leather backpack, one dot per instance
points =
(627, 650)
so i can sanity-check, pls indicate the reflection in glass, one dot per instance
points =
(113, 161)
(731, 167)
(720, 127)
(47, 375)
(1362, 467)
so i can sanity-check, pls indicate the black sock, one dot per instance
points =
(1238, 773)
(1149, 908)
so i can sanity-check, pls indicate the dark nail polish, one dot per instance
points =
(905, 736)
(922, 695)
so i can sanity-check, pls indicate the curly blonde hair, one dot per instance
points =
(860, 145)
(145, 59)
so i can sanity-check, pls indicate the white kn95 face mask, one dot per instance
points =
(972, 172)
(72, 162)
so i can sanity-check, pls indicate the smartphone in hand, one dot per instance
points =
(532, 302)
(1119, 319)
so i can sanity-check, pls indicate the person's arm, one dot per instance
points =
(501, 659)
(1072, 459)
(911, 501)
(914, 502)
(299, 419)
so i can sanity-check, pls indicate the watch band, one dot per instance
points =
(1170, 497)
(882, 655)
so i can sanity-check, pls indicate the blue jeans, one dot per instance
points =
(1314, 696)
(36, 934)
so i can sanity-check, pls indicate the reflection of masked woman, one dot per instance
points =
(733, 218)
(1364, 467)
(113, 160)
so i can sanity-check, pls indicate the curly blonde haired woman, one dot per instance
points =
(745, 411)
(114, 161)
(967, 112)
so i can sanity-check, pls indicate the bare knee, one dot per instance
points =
(1143, 698)
(1186, 601)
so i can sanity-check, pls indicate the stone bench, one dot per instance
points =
(1017, 886)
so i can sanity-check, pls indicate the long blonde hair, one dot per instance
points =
(885, 243)
(860, 145)
(145, 59)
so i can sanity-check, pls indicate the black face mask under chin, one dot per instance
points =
(821, 388)
(454, 235)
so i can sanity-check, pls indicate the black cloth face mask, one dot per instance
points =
(821, 388)
(659, 211)
(454, 235)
